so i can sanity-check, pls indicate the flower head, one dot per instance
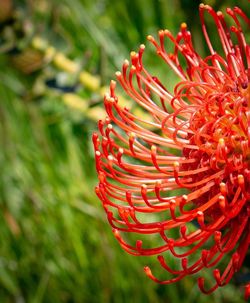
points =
(182, 174)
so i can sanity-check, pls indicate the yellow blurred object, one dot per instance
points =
(104, 90)
(79, 104)
(62, 62)
(124, 102)
(96, 113)
(39, 43)
(49, 53)
(75, 102)
(90, 81)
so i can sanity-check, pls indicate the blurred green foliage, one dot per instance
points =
(55, 244)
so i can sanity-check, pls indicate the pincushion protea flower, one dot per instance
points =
(183, 176)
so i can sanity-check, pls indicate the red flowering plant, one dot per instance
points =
(187, 168)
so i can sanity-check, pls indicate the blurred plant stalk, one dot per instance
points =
(89, 81)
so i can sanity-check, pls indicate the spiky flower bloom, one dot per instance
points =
(184, 175)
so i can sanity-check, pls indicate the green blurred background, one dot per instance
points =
(56, 57)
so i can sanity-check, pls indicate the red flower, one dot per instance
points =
(184, 175)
